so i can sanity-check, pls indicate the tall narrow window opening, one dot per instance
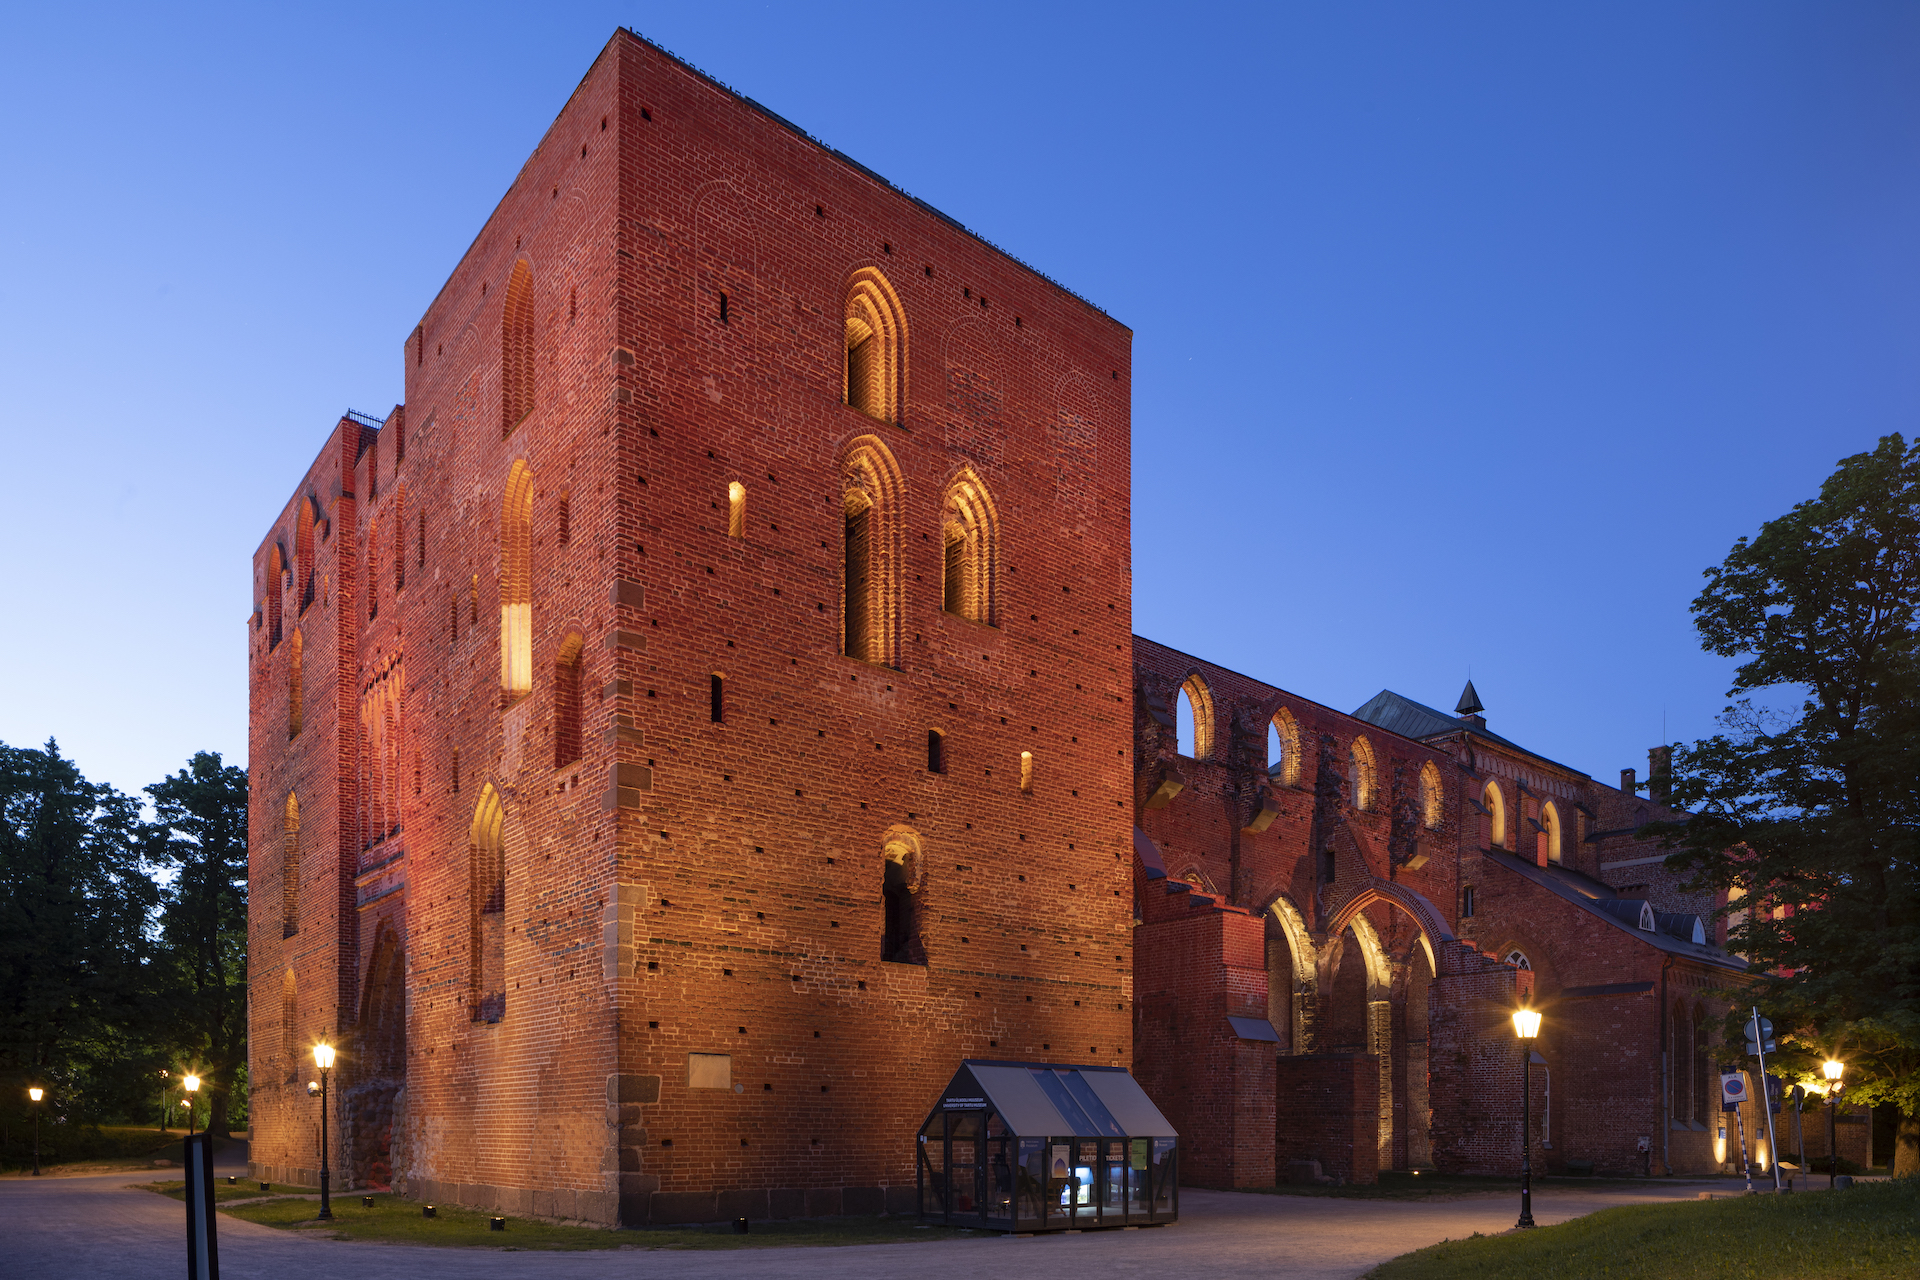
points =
(717, 698)
(422, 521)
(516, 349)
(1432, 806)
(1550, 848)
(736, 510)
(876, 341)
(291, 1049)
(1361, 774)
(296, 708)
(900, 868)
(399, 517)
(274, 590)
(1496, 806)
(568, 678)
(1467, 902)
(489, 910)
(303, 572)
(870, 503)
(1193, 718)
(1026, 772)
(1283, 749)
(936, 751)
(566, 517)
(290, 867)
(373, 570)
(970, 537)
(723, 308)
(516, 583)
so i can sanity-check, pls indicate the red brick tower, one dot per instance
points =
(706, 704)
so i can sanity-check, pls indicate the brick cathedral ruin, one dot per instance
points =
(707, 710)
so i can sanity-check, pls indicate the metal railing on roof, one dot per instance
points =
(366, 419)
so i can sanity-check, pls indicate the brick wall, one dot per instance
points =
(686, 885)
(1328, 1112)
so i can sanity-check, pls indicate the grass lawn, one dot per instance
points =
(395, 1221)
(1867, 1233)
(87, 1148)
(222, 1193)
(1426, 1185)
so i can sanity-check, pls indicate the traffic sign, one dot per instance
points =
(1733, 1090)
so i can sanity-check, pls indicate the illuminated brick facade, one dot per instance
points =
(741, 594)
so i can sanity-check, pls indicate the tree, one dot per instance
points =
(200, 830)
(75, 903)
(1807, 815)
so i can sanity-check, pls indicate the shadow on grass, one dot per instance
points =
(391, 1220)
(1866, 1233)
(1426, 1185)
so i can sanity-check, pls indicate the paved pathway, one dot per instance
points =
(95, 1227)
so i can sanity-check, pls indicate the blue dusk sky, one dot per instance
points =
(1465, 335)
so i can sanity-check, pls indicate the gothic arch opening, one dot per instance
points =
(488, 909)
(1495, 806)
(876, 348)
(901, 875)
(516, 582)
(378, 1070)
(1283, 749)
(970, 542)
(1193, 718)
(871, 495)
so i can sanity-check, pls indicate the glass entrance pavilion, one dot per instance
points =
(1037, 1146)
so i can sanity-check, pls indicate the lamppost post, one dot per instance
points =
(323, 1058)
(192, 1085)
(36, 1093)
(1526, 1025)
(1833, 1071)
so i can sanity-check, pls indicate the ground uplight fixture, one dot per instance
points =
(323, 1058)
(1526, 1025)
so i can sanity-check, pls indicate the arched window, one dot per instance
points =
(1361, 774)
(736, 510)
(271, 595)
(1193, 718)
(1283, 749)
(876, 348)
(1496, 807)
(900, 871)
(870, 502)
(516, 582)
(1518, 959)
(970, 537)
(399, 518)
(296, 710)
(290, 867)
(489, 910)
(1432, 798)
(303, 521)
(516, 349)
(567, 677)
(290, 1046)
(1550, 849)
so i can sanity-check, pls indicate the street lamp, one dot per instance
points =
(1526, 1025)
(323, 1058)
(36, 1093)
(1832, 1070)
(192, 1085)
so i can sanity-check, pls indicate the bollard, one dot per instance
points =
(497, 1224)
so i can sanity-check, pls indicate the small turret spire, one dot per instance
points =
(1469, 702)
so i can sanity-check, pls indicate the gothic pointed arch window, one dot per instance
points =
(488, 907)
(516, 583)
(970, 542)
(290, 1046)
(1283, 749)
(1551, 850)
(870, 582)
(1432, 796)
(1496, 806)
(290, 867)
(1193, 718)
(303, 522)
(274, 590)
(516, 349)
(1362, 774)
(876, 348)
